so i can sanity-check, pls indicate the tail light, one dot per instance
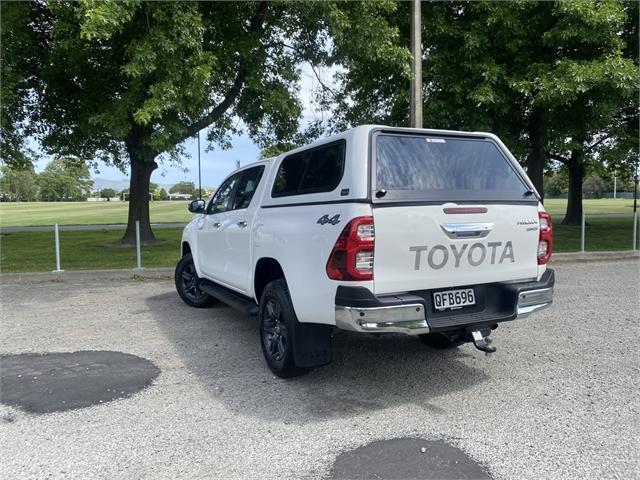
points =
(545, 242)
(352, 255)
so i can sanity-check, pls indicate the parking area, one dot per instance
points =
(558, 400)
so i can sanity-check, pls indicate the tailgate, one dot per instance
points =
(423, 247)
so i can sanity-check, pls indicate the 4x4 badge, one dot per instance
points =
(323, 220)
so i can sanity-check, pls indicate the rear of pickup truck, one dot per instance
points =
(457, 240)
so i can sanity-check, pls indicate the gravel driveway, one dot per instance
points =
(560, 398)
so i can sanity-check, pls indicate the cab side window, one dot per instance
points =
(221, 201)
(311, 171)
(236, 191)
(247, 187)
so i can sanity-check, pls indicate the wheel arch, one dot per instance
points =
(266, 270)
(185, 248)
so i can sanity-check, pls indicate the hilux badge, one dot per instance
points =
(527, 221)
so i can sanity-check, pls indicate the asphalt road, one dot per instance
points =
(558, 400)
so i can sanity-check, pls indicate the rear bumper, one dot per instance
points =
(407, 318)
(357, 309)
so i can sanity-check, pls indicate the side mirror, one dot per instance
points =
(196, 206)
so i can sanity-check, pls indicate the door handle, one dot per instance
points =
(467, 230)
(217, 225)
(242, 224)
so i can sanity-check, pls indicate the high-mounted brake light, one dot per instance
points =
(545, 242)
(352, 255)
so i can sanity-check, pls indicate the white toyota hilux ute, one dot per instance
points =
(433, 233)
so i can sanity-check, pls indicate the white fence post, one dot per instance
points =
(57, 237)
(138, 244)
(582, 233)
(635, 231)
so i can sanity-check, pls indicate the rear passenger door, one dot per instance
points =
(234, 266)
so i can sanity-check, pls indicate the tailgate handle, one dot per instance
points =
(467, 230)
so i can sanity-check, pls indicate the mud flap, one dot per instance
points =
(312, 344)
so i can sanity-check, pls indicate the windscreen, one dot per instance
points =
(448, 169)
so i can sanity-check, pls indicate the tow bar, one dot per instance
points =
(482, 343)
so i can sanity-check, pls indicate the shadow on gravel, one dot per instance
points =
(368, 373)
(406, 458)
(55, 382)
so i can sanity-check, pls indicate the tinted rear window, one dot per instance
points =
(311, 171)
(446, 169)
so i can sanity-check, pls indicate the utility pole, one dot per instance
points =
(199, 173)
(635, 206)
(415, 112)
(636, 177)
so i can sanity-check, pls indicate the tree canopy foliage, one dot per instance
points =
(183, 187)
(18, 184)
(108, 193)
(553, 79)
(65, 179)
(128, 82)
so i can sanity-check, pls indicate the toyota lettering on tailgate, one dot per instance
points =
(439, 256)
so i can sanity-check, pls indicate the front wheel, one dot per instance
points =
(188, 284)
(277, 323)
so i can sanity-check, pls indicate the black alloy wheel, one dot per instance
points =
(188, 284)
(274, 331)
(277, 324)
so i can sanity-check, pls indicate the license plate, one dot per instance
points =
(452, 299)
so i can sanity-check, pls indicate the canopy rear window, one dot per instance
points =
(412, 167)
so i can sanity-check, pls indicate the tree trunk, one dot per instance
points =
(537, 158)
(141, 170)
(573, 215)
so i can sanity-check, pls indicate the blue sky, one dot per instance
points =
(217, 163)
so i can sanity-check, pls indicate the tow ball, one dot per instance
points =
(481, 342)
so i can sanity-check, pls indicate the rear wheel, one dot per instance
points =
(277, 323)
(188, 284)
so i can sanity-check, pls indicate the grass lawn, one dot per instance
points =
(95, 249)
(96, 213)
(86, 213)
(601, 234)
(557, 206)
(84, 250)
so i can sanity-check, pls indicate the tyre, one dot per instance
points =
(277, 330)
(440, 341)
(187, 283)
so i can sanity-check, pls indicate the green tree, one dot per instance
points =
(311, 133)
(128, 82)
(163, 194)
(555, 184)
(15, 85)
(65, 179)
(527, 71)
(591, 123)
(108, 193)
(183, 187)
(595, 186)
(18, 183)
